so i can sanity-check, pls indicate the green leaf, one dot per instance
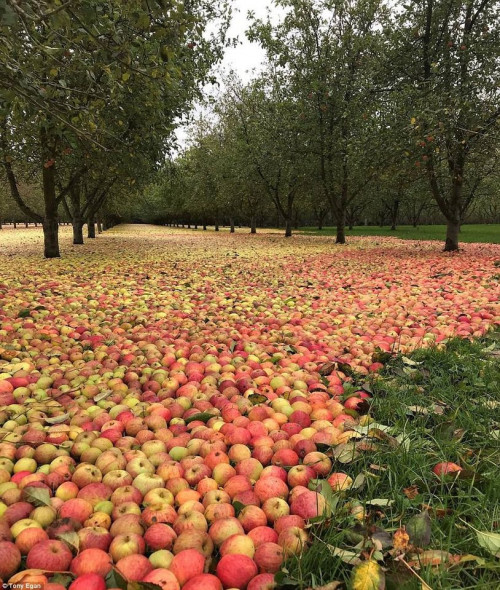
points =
(365, 429)
(57, 419)
(238, 507)
(409, 363)
(325, 489)
(143, 586)
(326, 369)
(203, 417)
(380, 502)
(71, 539)
(63, 579)
(37, 496)
(419, 529)
(346, 452)
(368, 576)
(257, 398)
(125, 76)
(488, 541)
(346, 556)
(103, 395)
(359, 481)
(115, 580)
(282, 580)
(24, 313)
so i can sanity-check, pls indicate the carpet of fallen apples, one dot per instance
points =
(170, 399)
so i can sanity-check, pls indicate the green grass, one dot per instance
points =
(487, 233)
(458, 420)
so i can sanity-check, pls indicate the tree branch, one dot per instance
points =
(76, 177)
(11, 178)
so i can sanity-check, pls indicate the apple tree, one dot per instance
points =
(444, 69)
(82, 83)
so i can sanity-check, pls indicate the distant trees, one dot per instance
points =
(364, 112)
(89, 96)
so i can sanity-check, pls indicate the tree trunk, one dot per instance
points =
(394, 212)
(15, 224)
(288, 227)
(91, 227)
(452, 231)
(231, 222)
(99, 226)
(77, 231)
(50, 222)
(204, 226)
(340, 239)
(51, 238)
(26, 224)
(253, 226)
(216, 221)
(76, 214)
(195, 226)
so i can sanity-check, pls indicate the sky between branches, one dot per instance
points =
(246, 58)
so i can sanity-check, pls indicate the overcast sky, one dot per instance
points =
(247, 56)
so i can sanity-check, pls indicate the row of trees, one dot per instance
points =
(90, 94)
(366, 109)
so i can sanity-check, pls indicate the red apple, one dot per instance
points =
(94, 537)
(251, 517)
(446, 468)
(126, 544)
(293, 540)
(263, 534)
(186, 564)
(10, 559)
(300, 475)
(262, 582)
(88, 582)
(28, 538)
(77, 509)
(160, 536)
(194, 539)
(91, 561)
(236, 571)
(269, 557)
(340, 481)
(203, 582)
(309, 504)
(50, 555)
(271, 487)
(163, 578)
(274, 508)
(134, 567)
(240, 544)
(224, 528)
(288, 521)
